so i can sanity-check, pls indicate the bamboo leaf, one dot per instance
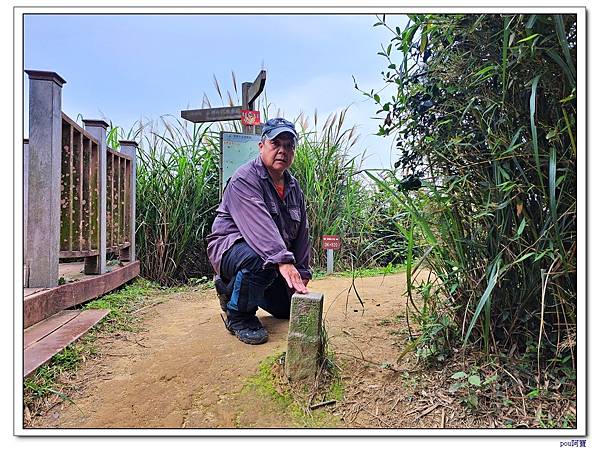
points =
(493, 278)
(552, 185)
(505, 55)
(528, 38)
(521, 227)
(534, 138)
(562, 39)
(531, 21)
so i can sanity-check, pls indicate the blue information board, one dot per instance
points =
(236, 150)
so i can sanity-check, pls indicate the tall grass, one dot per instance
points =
(486, 116)
(177, 193)
(339, 199)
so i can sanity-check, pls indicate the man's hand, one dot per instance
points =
(292, 277)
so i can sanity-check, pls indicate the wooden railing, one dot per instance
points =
(118, 183)
(79, 194)
(80, 186)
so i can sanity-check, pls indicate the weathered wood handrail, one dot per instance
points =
(80, 186)
(79, 194)
(118, 182)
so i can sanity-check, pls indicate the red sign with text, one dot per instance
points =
(250, 117)
(331, 242)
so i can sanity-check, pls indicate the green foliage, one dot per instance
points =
(177, 194)
(339, 201)
(122, 303)
(268, 382)
(485, 116)
(470, 387)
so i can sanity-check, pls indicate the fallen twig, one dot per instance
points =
(147, 306)
(325, 403)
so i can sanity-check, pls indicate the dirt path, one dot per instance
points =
(186, 370)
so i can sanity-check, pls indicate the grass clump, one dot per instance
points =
(293, 399)
(123, 303)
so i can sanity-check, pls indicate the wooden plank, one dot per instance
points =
(109, 199)
(85, 195)
(118, 154)
(43, 304)
(94, 196)
(71, 186)
(43, 350)
(122, 200)
(77, 253)
(118, 202)
(129, 148)
(31, 291)
(42, 329)
(212, 114)
(75, 125)
(115, 203)
(127, 201)
(65, 186)
(77, 191)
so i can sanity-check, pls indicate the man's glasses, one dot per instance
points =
(289, 146)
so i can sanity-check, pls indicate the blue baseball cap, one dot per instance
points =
(276, 126)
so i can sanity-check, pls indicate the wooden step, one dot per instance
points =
(45, 339)
(42, 329)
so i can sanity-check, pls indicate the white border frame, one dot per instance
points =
(582, 403)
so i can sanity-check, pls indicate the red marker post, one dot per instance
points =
(331, 243)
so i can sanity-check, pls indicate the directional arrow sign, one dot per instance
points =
(212, 114)
(257, 87)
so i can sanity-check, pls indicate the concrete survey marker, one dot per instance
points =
(305, 340)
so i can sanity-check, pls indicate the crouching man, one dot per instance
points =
(259, 244)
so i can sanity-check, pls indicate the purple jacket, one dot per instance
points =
(252, 210)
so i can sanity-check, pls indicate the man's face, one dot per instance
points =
(278, 154)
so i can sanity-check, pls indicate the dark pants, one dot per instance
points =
(251, 286)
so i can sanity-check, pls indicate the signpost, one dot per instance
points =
(250, 92)
(236, 148)
(331, 243)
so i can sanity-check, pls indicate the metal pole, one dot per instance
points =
(329, 261)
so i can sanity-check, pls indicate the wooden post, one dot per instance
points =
(44, 167)
(97, 264)
(130, 148)
(246, 105)
(250, 92)
(25, 209)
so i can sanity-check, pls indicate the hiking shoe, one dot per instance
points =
(248, 330)
(223, 293)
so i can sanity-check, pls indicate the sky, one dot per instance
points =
(126, 67)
